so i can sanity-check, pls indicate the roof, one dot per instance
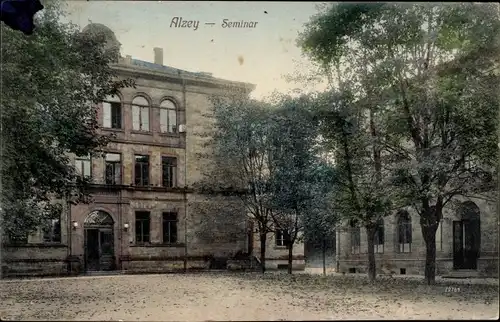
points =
(168, 69)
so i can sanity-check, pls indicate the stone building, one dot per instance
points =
(466, 242)
(141, 218)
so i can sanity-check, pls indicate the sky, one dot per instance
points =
(262, 55)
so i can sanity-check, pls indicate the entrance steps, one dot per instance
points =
(463, 273)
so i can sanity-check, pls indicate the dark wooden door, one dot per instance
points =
(458, 245)
(106, 249)
(92, 249)
(465, 244)
(471, 244)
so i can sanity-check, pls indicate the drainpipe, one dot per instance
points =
(120, 228)
(68, 231)
(185, 173)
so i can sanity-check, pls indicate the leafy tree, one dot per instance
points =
(238, 148)
(51, 82)
(321, 219)
(433, 67)
(296, 183)
(362, 190)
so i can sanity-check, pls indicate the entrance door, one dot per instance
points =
(106, 259)
(465, 244)
(92, 249)
(99, 255)
(99, 246)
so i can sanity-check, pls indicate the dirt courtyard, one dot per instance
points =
(250, 296)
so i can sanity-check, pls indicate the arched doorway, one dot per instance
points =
(99, 237)
(466, 237)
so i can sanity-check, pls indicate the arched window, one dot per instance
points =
(379, 237)
(140, 114)
(112, 112)
(168, 117)
(355, 236)
(404, 232)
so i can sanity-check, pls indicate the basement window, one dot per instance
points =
(402, 271)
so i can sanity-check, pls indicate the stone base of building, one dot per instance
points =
(282, 264)
(486, 267)
(73, 265)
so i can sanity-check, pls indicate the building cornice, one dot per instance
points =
(190, 79)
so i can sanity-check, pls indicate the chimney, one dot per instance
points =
(158, 56)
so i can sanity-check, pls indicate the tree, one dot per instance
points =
(434, 66)
(321, 220)
(238, 150)
(51, 82)
(296, 183)
(362, 192)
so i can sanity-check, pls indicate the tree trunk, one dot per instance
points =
(263, 238)
(429, 233)
(372, 268)
(290, 257)
(323, 248)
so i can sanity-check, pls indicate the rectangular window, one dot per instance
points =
(142, 227)
(379, 239)
(378, 244)
(172, 121)
(52, 231)
(164, 120)
(281, 237)
(169, 171)
(169, 227)
(405, 237)
(141, 170)
(144, 118)
(136, 118)
(112, 115)
(83, 166)
(355, 240)
(113, 168)
(140, 118)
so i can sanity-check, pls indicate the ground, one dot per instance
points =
(238, 296)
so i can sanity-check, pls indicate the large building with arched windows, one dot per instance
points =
(143, 215)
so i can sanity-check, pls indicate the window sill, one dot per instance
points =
(280, 247)
(110, 129)
(36, 245)
(174, 135)
(158, 245)
(141, 132)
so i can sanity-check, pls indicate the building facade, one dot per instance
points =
(144, 216)
(466, 242)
